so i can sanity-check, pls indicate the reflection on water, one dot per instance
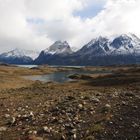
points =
(27, 66)
(60, 77)
(63, 66)
(55, 77)
(53, 66)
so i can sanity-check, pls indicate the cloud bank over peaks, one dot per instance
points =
(36, 24)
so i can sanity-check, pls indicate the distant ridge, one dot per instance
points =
(123, 49)
(18, 56)
(120, 50)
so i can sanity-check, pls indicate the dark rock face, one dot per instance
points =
(121, 41)
(54, 54)
(16, 60)
(96, 47)
(51, 59)
(89, 60)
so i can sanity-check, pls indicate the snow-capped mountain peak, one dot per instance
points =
(121, 49)
(99, 41)
(59, 47)
(97, 46)
(19, 53)
(126, 44)
(120, 45)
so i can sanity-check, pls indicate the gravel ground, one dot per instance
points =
(79, 110)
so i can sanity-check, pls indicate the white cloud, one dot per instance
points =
(35, 24)
(119, 16)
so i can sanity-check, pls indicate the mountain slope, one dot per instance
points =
(98, 47)
(123, 49)
(54, 54)
(121, 45)
(58, 48)
(18, 56)
(126, 44)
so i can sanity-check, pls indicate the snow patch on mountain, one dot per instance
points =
(19, 53)
(125, 44)
(59, 47)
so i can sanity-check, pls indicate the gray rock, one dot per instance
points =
(108, 106)
(95, 100)
(3, 128)
(74, 136)
(90, 138)
(12, 120)
(46, 129)
(129, 94)
(7, 115)
(80, 106)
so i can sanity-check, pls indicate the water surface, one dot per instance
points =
(61, 77)
(27, 66)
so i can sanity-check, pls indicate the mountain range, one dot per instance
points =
(122, 49)
(19, 56)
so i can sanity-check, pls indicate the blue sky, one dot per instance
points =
(91, 10)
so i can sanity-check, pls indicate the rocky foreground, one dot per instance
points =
(102, 108)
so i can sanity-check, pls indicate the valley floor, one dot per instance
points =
(96, 107)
